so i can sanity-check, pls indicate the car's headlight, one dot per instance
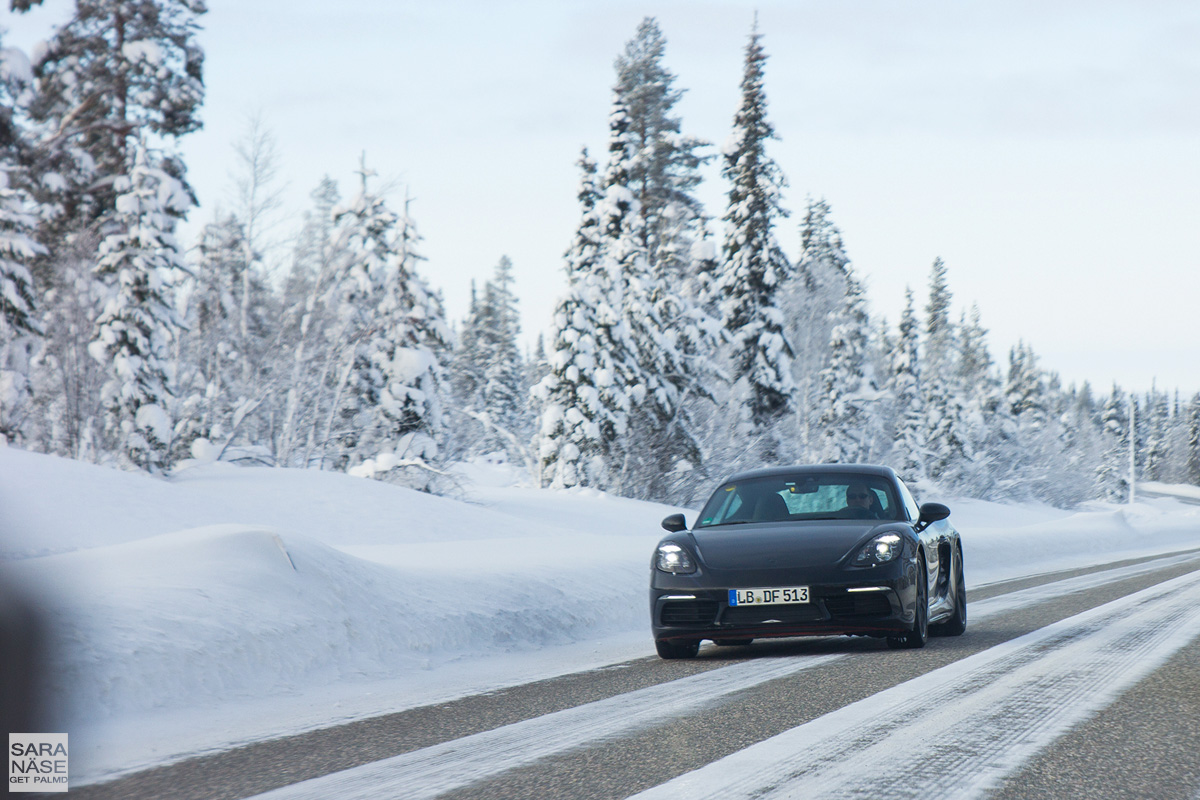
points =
(880, 550)
(673, 558)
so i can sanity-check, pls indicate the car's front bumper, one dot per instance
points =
(865, 602)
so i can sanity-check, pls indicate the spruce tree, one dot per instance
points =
(387, 403)
(210, 380)
(948, 446)
(20, 327)
(810, 300)
(410, 345)
(848, 422)
(1192, 468)
(662, 172)
(1112, 482)
(754, 267)
(488, 373)
(986, 425)
(116, 71)
(1155, 423)
(909, 448)
(139, 259)
(584, 396)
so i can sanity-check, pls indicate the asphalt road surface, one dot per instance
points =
(1083, 684)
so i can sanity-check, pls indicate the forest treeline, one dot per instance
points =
(686, 344)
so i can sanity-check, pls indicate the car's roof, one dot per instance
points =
(816, 469)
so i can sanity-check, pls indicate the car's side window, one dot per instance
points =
(910, 505)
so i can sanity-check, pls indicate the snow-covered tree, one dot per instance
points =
(387, 403)
(908, 448)
(489, 373)
(662, 166)
(19, 323)
(754, 268)
(987, 427)
(138, 261)
(1112, 473)
(307, 317)
(117, 71)
(1192, 463)
(20, 326)
(667, 330)
(410, 346)
(1155, 426)
(945, 439)
(848, 420)
(810, 300)
(592, 360)
(224, 333)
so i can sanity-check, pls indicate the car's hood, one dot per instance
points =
(783, 545)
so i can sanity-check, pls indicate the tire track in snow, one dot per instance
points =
(456, 763)
(433, 770)
(959, 730)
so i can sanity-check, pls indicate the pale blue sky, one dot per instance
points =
(1048, 151)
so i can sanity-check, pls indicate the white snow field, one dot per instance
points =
(231, 604)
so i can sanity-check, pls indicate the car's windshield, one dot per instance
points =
(802, 497)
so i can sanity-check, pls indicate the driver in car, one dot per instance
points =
(859, 502)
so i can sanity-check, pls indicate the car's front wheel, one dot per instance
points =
(672, 650)
(919, 634)
(957, 624)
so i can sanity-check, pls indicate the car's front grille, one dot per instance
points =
(759, 615)
(689, 612)
(864, 604)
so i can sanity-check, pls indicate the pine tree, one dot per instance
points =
(116, 80)
(387, 402)
(489, 375)
(1155, 424)
(114, 72)
(19, 323)
(1024, 389)
(138, 259)
(665, 329)
(210, 342)
(1192, 469)
(909, 449)
(1112, 473)
(585, 403)
(504, 389)
(409, 346)
(225, 341)
(470, 359)
(848, 422)
(754, 267)
(662, 170)
(20, 327)
(948, 446)
(811, 299)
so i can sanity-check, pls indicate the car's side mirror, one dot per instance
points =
(676, 523)
(931, 513)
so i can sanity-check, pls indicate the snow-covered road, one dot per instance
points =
(958, 730)
(977, 719)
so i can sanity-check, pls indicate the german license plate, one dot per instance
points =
(768, 597)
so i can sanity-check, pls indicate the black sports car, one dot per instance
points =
(804, 551)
